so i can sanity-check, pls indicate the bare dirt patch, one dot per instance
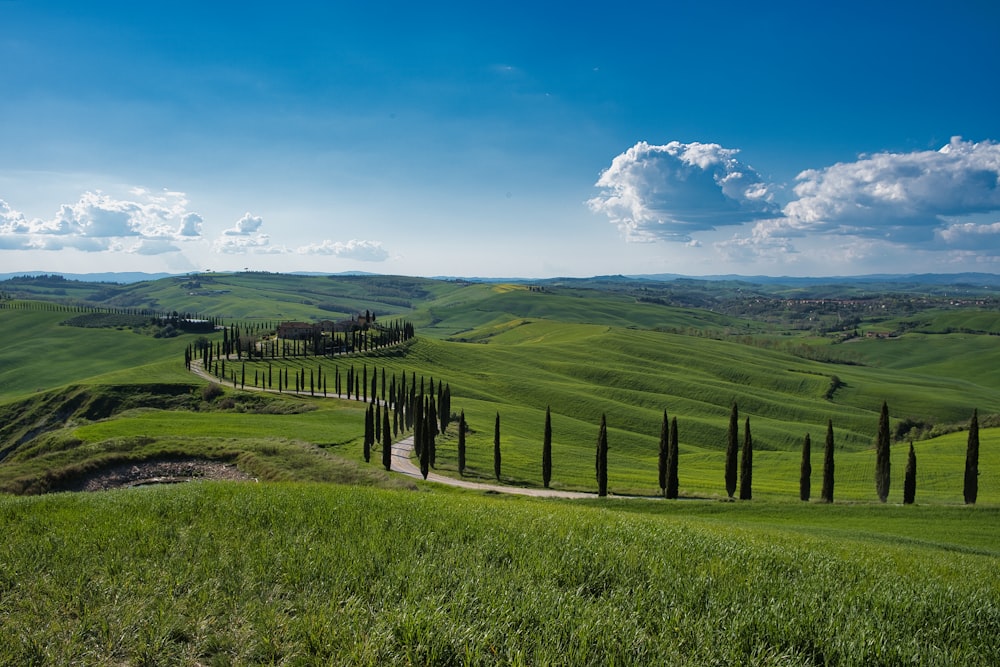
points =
(159, 471)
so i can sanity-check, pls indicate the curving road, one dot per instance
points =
(401, 463)
(402, 450)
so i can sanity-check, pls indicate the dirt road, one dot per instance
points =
(402, 450)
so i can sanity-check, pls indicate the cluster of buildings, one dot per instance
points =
(308, 330)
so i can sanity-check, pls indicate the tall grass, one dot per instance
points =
(302, 574)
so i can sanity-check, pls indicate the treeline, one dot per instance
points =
(100, 316)
(738, 470)
(258, 342)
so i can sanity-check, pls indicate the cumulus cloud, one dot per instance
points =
(190, 226)
(237, 245)
(672, 191)
(11, 221)
(245, 236)
(98, 221)
(887, 203)
(245, 226)
(365, 251)
(899, 196)
(972, 236)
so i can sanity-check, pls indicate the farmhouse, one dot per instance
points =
(296, 330)
(306, 330)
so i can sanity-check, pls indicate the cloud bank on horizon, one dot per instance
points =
(150, 223)
(922, 200)
(935, 202)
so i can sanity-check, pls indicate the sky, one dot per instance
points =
(500, 139)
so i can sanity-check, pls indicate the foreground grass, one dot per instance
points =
(304, 574)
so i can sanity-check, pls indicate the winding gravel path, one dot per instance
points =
(402, 450)
(401, 463)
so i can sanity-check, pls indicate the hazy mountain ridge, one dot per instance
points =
(976, 279)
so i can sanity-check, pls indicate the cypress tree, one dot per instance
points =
(882, 455)
(805, 470)
(444, 407)
(971, 487)
(663, 455)
(673, 484)
(732, 447)
(746, 464)
(547, 449)
(425, 450)
(602, 458)
(910, 477)
(461, 443)
(826, 494)
(369, 434)
(496, 447)
(386, 444)
(430, 423)
(418, 426)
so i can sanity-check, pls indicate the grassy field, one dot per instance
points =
(217, 573)
(332, 560)
(519, 366)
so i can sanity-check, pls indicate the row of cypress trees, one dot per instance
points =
(970, 482)
(668, 460)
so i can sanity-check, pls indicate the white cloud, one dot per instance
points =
(672, 191)
(366, 251)
(11, 221)
(98, 221)
(241, 244)
(899, 196)
(245, 226)
(886, 204)
(984, 238)
(760, 245)
(190, 226)
(245, 236)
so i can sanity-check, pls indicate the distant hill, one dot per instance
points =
(124, 277)
(976, 280)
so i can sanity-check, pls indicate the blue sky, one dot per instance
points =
(509, 139)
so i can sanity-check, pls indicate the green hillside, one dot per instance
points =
(516, 349)
(327, 559)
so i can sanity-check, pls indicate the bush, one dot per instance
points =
(211, 392)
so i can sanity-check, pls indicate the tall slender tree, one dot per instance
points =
(746, 464)
(496, 447)
(732, 448)
(432, 429)
(882, 455)
(663, 456)
(805, 470)
(461, 443)
(826, 494)
(369, 434)
(673, 483)
(910, 477)
(425, 450)
(386, 440)
(971, 487)
(602, 458)
(547, 449)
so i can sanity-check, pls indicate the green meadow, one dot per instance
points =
(230, 573)
(328, 559)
